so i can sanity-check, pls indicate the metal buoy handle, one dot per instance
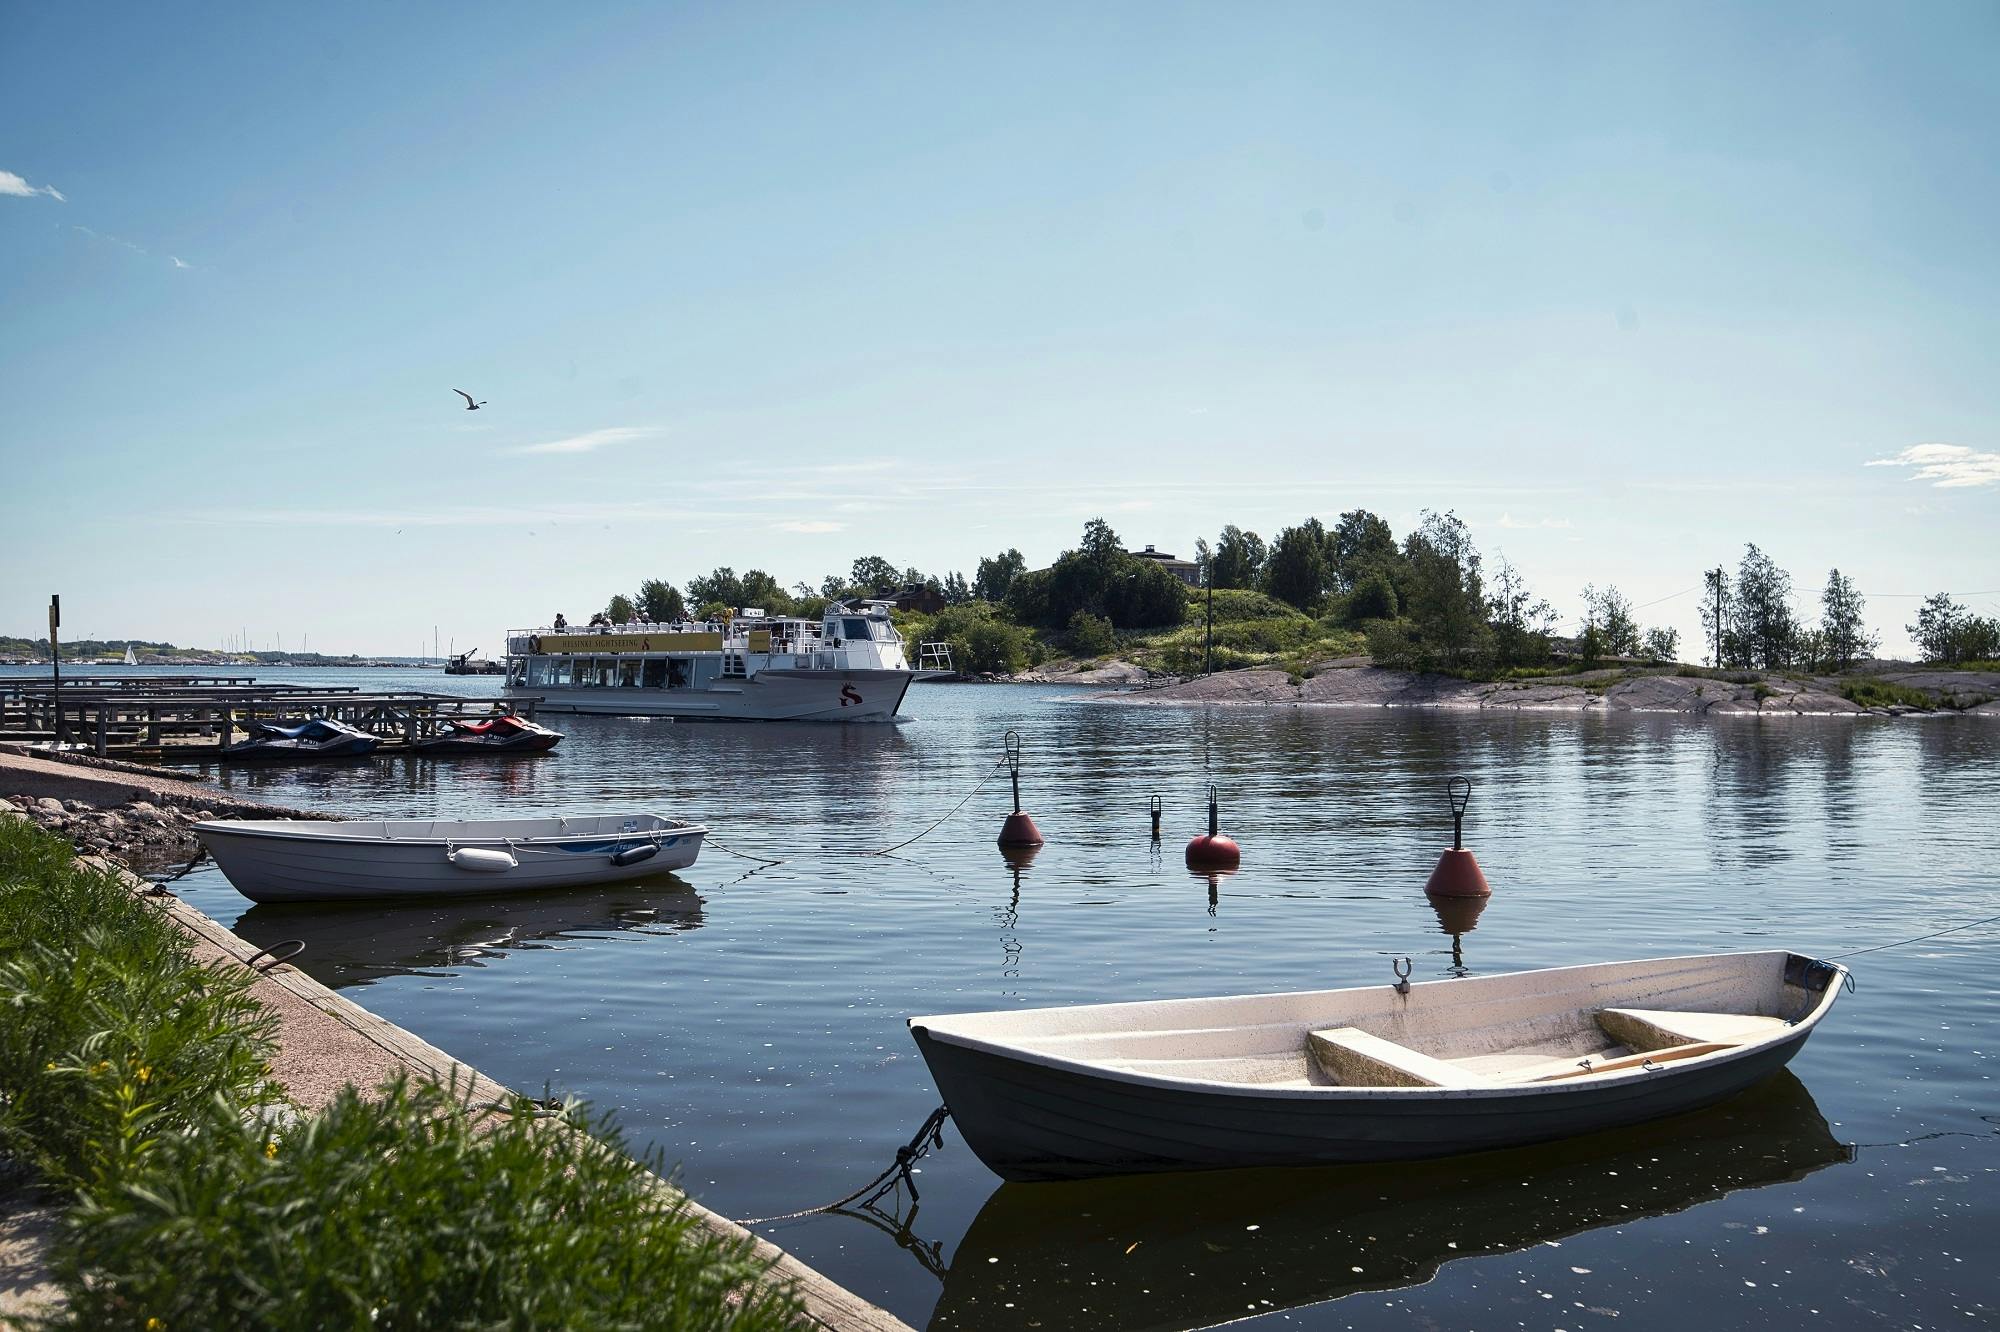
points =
(1401, 966)
(1012, 744)
(1212, 824)
(1459, 791)
(1154, 809)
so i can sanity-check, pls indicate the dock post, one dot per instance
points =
(103, 727)
(410, 729)
(228, 725)
(153, 724)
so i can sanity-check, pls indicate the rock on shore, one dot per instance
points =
(1607, 691)
(139, 833)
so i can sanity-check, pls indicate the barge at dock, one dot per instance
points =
(848, 666)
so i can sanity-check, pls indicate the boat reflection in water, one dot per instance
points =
(353, 944)
(1190, 1250)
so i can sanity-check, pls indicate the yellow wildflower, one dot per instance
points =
(155, 1325)
(271, 1149)
(145, 1073)
(49, 1067)
(100, 1066)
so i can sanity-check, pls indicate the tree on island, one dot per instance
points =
(1766, 631)
(1522, 622)
(619, 610)
(1237, 559)
(1844, 631)
(660, 602)
(1609, 614)
(1101, 578)
(1296, 572)
(994, 576)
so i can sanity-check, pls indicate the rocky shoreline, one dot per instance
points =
(1953, 693)
(138, 816)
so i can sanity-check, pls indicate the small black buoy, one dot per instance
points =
(1212, 850)
(1156, 818)
(1019, 829)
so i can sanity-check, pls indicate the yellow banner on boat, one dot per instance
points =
(760, 640)
(574, 644)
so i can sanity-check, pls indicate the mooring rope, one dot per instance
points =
(159, 886)
(990, 774)
(929, 1136)
(1856, 952)
(932, 827)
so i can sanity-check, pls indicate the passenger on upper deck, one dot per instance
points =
(561, 623)
(598, 621)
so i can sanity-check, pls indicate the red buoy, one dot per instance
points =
(1213, 851)
(1457, 873)
(1019, 829)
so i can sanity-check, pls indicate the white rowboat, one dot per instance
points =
(1370, 1074)
(288, 860)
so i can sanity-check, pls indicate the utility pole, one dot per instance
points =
(1208, 636)
(1716, 578)
(55, 662)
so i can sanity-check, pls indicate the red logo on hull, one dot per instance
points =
(848, 695)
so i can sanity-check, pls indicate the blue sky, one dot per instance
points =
(778, 285)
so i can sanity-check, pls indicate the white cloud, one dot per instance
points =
(810, 528)
(1946, 466)
(590, 441)
(1513, 524)
(21, 189)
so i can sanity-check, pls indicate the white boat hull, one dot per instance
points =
(279, 860)
(1195, 1084)
(769, 695)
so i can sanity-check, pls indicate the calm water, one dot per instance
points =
(749, 1021)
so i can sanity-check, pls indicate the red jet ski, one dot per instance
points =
(493, 735)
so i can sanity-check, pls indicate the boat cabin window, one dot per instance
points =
(628, 674)
(655, 676)
(854, 629)
(678, 672)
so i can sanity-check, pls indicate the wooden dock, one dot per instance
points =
(197, 717)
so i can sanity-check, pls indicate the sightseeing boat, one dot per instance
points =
(847, 666)
(1382, 1073)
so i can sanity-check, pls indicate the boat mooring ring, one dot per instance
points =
(1401, 966)
(279, 954)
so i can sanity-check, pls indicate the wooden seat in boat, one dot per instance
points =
(1645, 1029)
(1354, 1058)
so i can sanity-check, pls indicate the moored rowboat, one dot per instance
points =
(1369, 1074)
(286, 860)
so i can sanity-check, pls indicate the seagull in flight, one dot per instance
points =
(470, 405)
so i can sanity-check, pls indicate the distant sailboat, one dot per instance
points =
(130, 659)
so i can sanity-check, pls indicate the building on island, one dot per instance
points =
(1186, 570)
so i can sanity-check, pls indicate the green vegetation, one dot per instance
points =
(115, 1038)
(134, 1081)
(1882, 694)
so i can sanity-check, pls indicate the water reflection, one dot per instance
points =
(1188, 1251)
(351, 944)
(1458, 917)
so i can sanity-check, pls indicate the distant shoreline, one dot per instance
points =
(1943, 692)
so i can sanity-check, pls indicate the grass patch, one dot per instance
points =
(1882, 694)
(411, 1210)
(115, 1037)
(135, 1081)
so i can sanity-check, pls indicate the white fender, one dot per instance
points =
(483, 859)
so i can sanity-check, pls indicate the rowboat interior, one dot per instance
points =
(1563, 1025)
